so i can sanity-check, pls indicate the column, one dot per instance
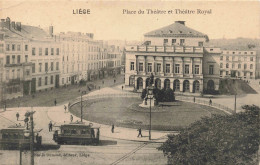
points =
(173, 65)
(171, 83)
(191, 86)
(201, 86)
(145, 69)
(144, 82)
(182, 66)
(181, 85)
(162, 83)
(136, 64)
(200, 72)
(163, 65)
(135, 82)
(191, 70)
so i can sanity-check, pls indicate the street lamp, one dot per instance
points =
(150, 97)
(81, 115)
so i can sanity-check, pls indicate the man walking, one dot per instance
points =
(210, 102)
(194, 99)
(139, 132)
(17, 116)
(65, 108)
(55, 102)
(122, 87)
(71, 118)
(113, 127)
(50, 126)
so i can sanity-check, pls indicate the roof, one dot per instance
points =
(27, 32)
(177, 29)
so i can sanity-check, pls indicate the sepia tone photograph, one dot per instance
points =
(129, 82)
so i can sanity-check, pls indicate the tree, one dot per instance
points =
(232, 139)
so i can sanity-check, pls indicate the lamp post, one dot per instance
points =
(150, 97)
(81, 110)
(235, 105)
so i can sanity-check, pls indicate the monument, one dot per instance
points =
(149, 99)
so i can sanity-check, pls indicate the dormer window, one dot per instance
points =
(180, 31)
(170, 31)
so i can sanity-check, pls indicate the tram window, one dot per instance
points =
(73, 132)
(66, 131)
(83, 132)
(20, 136)
(15, 136)
(5, 136)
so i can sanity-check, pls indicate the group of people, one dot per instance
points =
(139, 131)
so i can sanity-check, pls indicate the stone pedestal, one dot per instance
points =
(146, 104)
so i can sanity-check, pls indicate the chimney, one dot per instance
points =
(8, 23)
(13, 25)
(2, 24)
(18, 26)
(51, 31)
(180, 22)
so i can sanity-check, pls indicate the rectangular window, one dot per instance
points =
(33, 51)
(40, 51)
(245, 66)
(211, 69)
(132, 66)
(40, 82)
(7, 47)
(7, 75)
(33, 68)
(26, 58)
(158, 67)
(7, 59)
(52, 51)
(173, 41)
(141, 66)
(18, 73)
(46, 51)
(46, 67)
(227, 73)
(221, 57)
(182, 42)
(149, 69)
(165, 41)
(245, 74)
(197, 69)
(26, 47)
(13, 47)
(200, 44)
(221, 73)
(57, 65)
(227, 58)
(251, 58)
(187, 69)
(13, 59)
(239, 66)
(18, 47)
(177, 68)
(251, 73)
(168, 68)
(51, 79)
(57, 51)
(233, 58)
(40, 67)
(233, 65)
(18, 59)
(46, 80)
(51, 66)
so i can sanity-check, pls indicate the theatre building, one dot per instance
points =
(175, 55)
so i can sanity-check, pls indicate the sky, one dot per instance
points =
(106, 20)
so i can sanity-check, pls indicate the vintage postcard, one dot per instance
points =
(129, 82)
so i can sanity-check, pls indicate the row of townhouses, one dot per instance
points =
(178, 59)
(33, 59)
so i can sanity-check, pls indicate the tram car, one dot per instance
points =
(76, 133)
(18, 137)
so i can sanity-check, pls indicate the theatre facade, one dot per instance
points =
(175, 55)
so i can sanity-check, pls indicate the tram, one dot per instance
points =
(77, 133)
(17, 137)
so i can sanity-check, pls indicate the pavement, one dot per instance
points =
(57, 115)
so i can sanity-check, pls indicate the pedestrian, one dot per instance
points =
(50, 126)
(5, 107)
(55, 102)
(210, 102)
(92, 133)
(71, 118)
(122, 87)
(99, 87)
(102, 81)
(139, 132)
(17, 116)
(114, 81)
(194, 99)
(113, 127)
(65, 108)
